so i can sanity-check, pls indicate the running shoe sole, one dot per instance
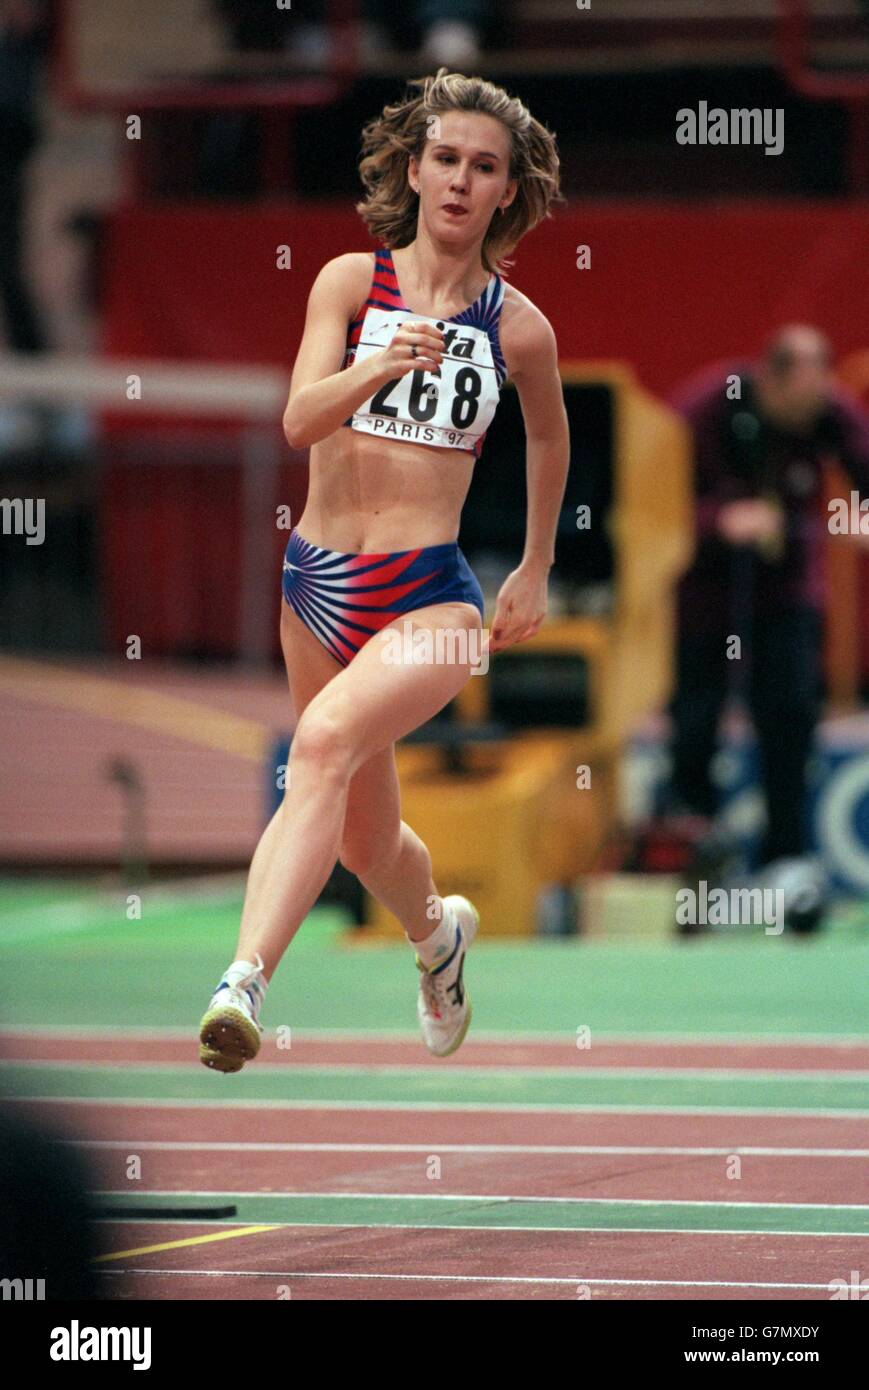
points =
(227, 1039)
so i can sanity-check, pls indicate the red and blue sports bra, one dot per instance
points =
(452, 411)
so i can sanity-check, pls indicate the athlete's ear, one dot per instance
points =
(413, 173)
(509, 194)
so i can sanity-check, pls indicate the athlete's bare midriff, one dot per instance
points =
(369, 495)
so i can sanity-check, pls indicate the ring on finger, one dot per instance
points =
(413, 351)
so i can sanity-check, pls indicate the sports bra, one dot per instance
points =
(452, 411)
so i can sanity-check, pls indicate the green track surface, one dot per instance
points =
(317, 1209)
(428, 1084)
(70, 956)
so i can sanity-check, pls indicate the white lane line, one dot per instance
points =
(485, 1198)
(497, 1071)
(668, 1151)
(465, 1278)
(458, 1226)
(460, 1107)
(343, 1035)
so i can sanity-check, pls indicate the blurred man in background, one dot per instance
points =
(762, 433)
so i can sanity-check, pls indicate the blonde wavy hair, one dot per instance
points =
(389, 209)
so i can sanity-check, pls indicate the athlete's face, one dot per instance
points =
(463, 175)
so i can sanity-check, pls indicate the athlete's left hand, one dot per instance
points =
(521, 607)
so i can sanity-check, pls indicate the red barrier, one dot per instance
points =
(669, 288)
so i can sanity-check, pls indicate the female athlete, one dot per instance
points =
(396, 381)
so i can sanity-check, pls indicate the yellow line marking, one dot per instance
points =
(190, 1240)
(107, 698)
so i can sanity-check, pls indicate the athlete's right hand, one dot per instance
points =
(416, 346)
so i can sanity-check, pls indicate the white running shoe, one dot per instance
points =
(443, 1006)
(230, 1032)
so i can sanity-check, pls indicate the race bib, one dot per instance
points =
(451, 411)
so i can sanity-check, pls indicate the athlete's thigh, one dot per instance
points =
(391, 686)
(373, 797)
(309, 666)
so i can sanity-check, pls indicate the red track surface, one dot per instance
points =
(367, 1262)
(304, 1257)
(404, 1052)
(114, 1120)
(650, 1177)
